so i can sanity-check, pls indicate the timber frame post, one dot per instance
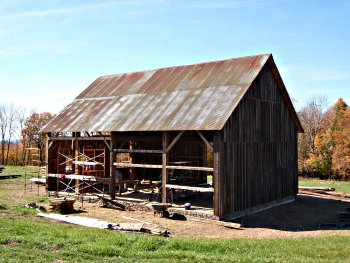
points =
(76, 154)
(112, 167)
(165, 176)
(216, 176)
(47, 160)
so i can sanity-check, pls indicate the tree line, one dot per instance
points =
(324, 147)
(19, 130)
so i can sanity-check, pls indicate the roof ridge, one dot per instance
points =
(184, 65)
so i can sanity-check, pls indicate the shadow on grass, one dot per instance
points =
(13, 176)
(304, 214)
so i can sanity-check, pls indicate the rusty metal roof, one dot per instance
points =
(191, 97)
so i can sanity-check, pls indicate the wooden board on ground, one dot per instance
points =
(221, 223)
(109, 201)
(97, 223)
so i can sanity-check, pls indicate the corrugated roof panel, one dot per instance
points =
(191, 97)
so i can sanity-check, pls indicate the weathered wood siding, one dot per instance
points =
(256, 150)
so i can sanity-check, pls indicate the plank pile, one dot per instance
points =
(321, 191)
(62, 205)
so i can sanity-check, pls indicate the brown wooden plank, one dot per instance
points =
(164, 168)
(136, 151)
(177, 138)
(112, 167)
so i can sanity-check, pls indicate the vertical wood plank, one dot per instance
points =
(76, 154)
(164, 169)
(47, 160)
(216, 176)
(112, 167)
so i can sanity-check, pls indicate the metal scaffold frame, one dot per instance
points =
(86, 170)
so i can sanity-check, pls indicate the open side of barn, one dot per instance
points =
(237, 126)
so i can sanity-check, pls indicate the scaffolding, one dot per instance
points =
(80, 172)
(33, 166)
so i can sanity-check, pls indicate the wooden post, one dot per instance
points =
(164, 169)
(76, 154)
(216, 176)
(112, 167)
(47, 160)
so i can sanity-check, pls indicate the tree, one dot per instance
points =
(341, 154)
(30, 133)
(12, 126)
(3, 130)
(311, 117)
(324, 149)
(7, 128)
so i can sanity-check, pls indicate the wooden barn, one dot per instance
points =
(224, 131)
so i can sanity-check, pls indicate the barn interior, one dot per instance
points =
(81, 164)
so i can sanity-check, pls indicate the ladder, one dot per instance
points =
(32, 166)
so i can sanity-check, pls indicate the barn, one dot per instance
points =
(224, 132)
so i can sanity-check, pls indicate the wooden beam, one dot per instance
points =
(50, 144)
(88, 134)
(65, 138)
(164, 169)
(191, 168)
(47, 146)
(174, 141)
(216, 177)
(136, 151)
(136, 165)
(190, 188)
(159, 166)
(112, 168)
(76, 167)
(205, 140)
(140, 138)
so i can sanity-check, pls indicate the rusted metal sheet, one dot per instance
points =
(192, 97)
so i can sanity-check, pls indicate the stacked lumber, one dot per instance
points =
(62, 205)
(321, 191)
(106, 202)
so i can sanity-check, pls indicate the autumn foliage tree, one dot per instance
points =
(324, 149)
(341, 153)
(31, 131)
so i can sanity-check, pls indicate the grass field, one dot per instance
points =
(18, 170)
(26, 238)
(338, 185)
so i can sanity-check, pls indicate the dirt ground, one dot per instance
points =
(298, 219)
(301, 218)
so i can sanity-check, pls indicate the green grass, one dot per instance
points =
(19, 170)
(26, 238)
(32, 239)
(338, 185)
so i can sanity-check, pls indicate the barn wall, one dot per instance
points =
(257, 150)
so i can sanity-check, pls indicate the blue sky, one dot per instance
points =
(51, 50)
